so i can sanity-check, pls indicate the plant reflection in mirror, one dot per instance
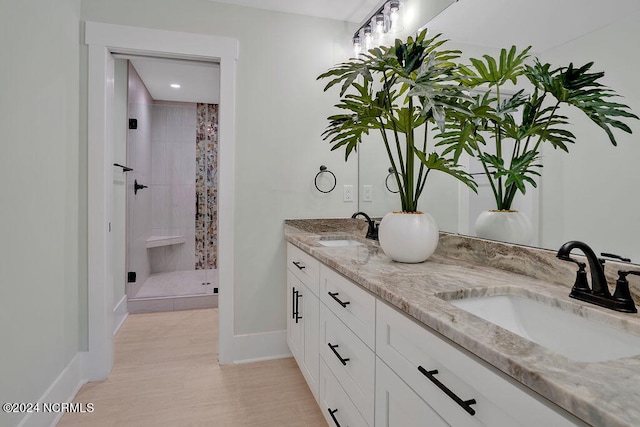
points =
(518, 124)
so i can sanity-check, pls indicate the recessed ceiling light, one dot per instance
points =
(175, 85)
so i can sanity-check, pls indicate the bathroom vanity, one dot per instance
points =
(384, 344)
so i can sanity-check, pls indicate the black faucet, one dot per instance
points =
(372, 231)
(599, 293)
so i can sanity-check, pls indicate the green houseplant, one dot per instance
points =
(401, 91)
(516, 126)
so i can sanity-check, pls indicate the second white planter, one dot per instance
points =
(505, 226)
(409, 237)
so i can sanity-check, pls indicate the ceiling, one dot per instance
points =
(341, 10)
(199, 81)
(542, 24)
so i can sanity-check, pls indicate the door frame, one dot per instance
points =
(103, 40)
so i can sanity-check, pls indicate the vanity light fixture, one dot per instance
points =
(175, 85)
(385, 20)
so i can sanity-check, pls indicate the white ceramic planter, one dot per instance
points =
(505, 226)
(408, 237)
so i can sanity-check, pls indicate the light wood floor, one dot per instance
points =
(166, 374)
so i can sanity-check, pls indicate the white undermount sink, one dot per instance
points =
(564, 332)
(326, 241)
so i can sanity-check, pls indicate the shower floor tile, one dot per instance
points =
(178, 283)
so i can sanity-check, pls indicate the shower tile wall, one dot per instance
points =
(207, 187)
(173, 172)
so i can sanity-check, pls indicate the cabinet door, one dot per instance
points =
(397, 405)
(310, 314)
(304, 266)
(447, 378)
(295, 328)
(350, 303)
(350, 360)
(336, 406)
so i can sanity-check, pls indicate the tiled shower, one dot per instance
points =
(172, 224)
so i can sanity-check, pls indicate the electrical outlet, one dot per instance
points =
(348, 193)
(367, 191)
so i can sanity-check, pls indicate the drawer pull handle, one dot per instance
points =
(334, 295)
(340, 358)
(300, 265)
(333, 417)
(465, 404)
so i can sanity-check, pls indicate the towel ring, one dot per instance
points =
(386, 181)
(324, 169)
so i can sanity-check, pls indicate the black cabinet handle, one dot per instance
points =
(297, 314)
(333, 417)
(340, 358)
(465, 404)
(300, 265)
(334, 295)
(128, 169)
(293, 302)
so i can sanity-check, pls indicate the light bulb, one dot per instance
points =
(394, 17)
(380, 23)
(357, 47)
(368, 38)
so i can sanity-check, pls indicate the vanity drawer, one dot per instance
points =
(350, 360)
(397, 405)
(304, 266)
(335, 404)
(412, 350)
(350, 303)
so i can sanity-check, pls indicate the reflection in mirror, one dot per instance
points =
(588, 194)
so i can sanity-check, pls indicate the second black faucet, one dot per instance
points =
(372, 231)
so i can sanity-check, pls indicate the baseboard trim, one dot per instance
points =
(120, 313)
(63, 389)
(261, 346)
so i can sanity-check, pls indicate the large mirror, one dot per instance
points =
(589, 194)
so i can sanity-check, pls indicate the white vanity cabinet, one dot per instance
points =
(370, 365)
(303, 313)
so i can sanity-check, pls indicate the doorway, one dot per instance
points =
(172, 187)
(103, 41)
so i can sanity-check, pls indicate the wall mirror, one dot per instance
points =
(588, 194)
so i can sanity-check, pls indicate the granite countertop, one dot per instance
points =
(600, 393)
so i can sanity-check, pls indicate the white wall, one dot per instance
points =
(281, 113)
(591, 194)
(41, 278)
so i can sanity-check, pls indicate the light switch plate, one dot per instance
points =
(367, 195)
(348, 193)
